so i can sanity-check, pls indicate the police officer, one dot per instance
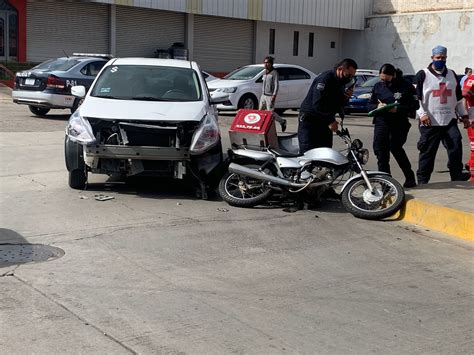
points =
(325, 98)
(391, 125)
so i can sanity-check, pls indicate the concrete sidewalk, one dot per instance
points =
(446, 207)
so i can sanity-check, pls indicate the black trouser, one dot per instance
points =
(430, 137)
(390, 134)
(313, 132)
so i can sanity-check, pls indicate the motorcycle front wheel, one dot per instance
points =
(243, 191)
(385, 200)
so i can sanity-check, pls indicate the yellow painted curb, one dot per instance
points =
(456, 223)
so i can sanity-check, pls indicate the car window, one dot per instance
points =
(371, 82)
(148, 83)
(282, 74)
(244, 73)
(93, 68)
(59, 64)
(296, 74)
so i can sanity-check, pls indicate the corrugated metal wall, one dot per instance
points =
(347, 14)
(222, 44)
(141, 31)
(56, 27)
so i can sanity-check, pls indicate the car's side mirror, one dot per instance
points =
(78, 91)
(219, 99)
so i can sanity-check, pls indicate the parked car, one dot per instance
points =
(145, 116)
(48, 85)
(243, 87)
(208, 76)
(359, 101)
(362, 75)
(411, 78)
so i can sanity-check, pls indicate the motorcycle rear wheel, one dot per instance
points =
(243, 191)
(387, 199)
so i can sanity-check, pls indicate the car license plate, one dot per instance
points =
(29, 81)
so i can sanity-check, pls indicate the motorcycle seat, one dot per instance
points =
(283, 153)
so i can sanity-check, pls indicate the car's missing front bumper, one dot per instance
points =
(141, 153)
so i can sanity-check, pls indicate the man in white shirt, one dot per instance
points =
(270, 90)
(439, 92)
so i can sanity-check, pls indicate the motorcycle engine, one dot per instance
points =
(317, 173)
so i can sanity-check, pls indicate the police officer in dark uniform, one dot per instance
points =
(325, 98)
(391, 125)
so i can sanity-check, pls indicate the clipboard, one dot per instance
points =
(382, 109)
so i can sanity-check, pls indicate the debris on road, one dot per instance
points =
(101, 197)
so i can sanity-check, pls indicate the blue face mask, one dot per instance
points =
(439, 64)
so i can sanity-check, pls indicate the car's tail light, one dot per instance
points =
(55, 82)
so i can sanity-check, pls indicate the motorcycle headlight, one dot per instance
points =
(206, 136)
(79, 129)
(227, 90)
(365, 96)
(357, 144)
(363, 156)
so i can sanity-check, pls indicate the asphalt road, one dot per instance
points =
(155, 270)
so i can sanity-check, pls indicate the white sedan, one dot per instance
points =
(144, 116)
(243, 86)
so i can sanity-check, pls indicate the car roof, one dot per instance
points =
(367, 71)
(177, 63)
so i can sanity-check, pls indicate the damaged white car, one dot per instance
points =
(145, 116)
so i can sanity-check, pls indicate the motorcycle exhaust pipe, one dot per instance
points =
(242, 170)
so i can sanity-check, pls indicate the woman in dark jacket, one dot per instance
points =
(391, 125)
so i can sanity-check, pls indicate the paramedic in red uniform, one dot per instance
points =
(439, 92)
(468, 93)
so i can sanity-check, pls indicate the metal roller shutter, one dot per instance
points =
(223, 44)
(56, 27)
(142, 31)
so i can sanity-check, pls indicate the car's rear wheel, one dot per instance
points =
(248, 101)
(38, 111)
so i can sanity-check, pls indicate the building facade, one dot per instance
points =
(403, 32)
(224, 34)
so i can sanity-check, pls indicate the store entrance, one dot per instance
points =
(8, 31)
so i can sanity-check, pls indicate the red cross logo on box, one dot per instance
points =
(443, 93)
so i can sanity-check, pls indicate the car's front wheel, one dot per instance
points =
(248, 101)
(76, 104)
(38, 111)
(74, 158)
(77, 179)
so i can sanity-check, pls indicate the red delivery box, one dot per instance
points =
(254, 128)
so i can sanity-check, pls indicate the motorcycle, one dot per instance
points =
(255, 173)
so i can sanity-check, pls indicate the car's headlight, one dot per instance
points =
(227, 90)
(79, 129)
(206, 136)
(365, 96)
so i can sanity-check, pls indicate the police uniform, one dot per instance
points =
(324, 99)
(391, 128)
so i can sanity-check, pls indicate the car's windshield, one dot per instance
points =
(59, 64)
(245, 73)
(148, 83)
(371, 82)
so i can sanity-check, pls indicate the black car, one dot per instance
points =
(48, 85)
